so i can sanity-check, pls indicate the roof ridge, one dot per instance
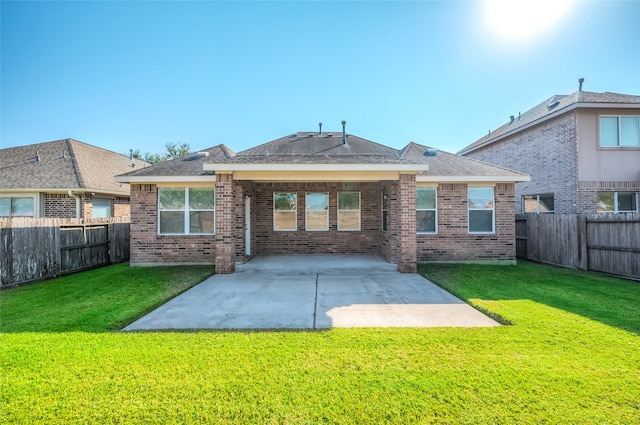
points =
(74, 162)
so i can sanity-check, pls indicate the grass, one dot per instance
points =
(571, 355)
(99, 300)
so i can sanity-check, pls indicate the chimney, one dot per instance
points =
(344, 134)
(320, 130)
(580, 81)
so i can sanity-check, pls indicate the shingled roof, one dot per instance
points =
(554, 106)
(64, 165)
(302, 150)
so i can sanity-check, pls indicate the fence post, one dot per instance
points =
(583, 237)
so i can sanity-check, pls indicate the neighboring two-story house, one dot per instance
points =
(65, 179)
(582, 151)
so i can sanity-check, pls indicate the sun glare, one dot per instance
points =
(524, 19)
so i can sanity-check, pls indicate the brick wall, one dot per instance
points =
(225, 237)
(268, 241)
(453, 241)
(147, 247)
(548, 152)
(407, 223)
(59, 205)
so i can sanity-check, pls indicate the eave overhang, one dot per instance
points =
(164, 179)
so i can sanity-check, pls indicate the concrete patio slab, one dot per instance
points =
(313, 292)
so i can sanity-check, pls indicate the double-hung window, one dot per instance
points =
(317, 211)
(186, 211)
(617, 202)
(619, 131)
(538, 203)
(285, 211)
(481, 209)
(348, 210)
(426, 210)
(101, 208)
(17, 206)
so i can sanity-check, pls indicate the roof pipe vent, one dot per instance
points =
(511, 118)
(580, 81)
(519, 116)
(344, 133)
(320, 130)
(37, 156)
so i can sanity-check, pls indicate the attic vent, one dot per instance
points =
(329, 135)
(552, 105)
(430, 152)
(202, 154)
(294, 135)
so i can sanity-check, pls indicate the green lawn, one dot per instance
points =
(570, 355)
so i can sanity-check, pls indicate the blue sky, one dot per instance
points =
(137, 75)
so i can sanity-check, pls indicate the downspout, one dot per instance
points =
(77, 203)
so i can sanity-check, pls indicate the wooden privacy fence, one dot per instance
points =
(42, 248)
(607, 243)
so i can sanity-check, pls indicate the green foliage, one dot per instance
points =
(173, 150)
(285, 201)
(571, 355)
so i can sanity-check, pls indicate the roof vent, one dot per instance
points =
(553, 105)
(320, 130)
(511, 118)
(202, 154)
(37, 156)
(430, 152)
(580, 81)
(344, 132)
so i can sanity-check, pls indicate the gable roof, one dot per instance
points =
(552, 107)
(324, 152)
(64, 165)
(186, 168)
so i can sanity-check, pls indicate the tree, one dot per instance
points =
(173, 150)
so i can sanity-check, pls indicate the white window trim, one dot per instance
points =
(618, 146)
(615, 202)
(186, 211)
(358, 210)
(306, 212)
(294, 211)
(493, 213)
(384, 225)
(36, 203)
(429, 209)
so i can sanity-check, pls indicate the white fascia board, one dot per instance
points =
(164, 179)
(58, 190)
(316, 167)
(473, 179)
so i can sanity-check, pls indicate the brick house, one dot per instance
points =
(65, 179)
(318, 193)
(582, 151)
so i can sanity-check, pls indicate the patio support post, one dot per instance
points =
(225, 224)
(407, 261)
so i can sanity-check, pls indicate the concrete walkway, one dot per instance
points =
(313, 292)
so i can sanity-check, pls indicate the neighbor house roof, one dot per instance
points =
(552, 107)
(326, 153)
(64, 165)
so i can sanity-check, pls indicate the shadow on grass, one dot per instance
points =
(606, 299)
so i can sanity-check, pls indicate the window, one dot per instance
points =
(101, 208)
(620, 131)
(426, 210)
(617, 202)
(538, 203)
(17, 206)
(186, 211)
(385, 199)
(317, 211)
(348, 210)
(285, 211)
(481, 209)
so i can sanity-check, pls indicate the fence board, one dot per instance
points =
(42, 248)
(608, 243)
